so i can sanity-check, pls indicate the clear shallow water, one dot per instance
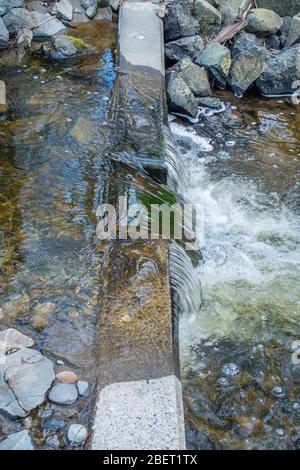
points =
(244, 167)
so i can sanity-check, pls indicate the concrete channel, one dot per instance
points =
(139, 399)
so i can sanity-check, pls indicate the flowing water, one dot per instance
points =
(240, 368)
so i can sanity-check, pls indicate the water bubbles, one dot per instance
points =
(279, 432)
(277, 392)
(296, 405)
(230, 143)
(231, 369)
(223, 381)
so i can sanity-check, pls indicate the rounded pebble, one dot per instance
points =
(63, 394)
(83, 388)
(231, 369)
(67, 377)
(77, 434)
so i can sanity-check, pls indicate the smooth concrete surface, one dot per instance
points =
(139, 398)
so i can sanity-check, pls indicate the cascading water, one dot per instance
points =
(241, 380)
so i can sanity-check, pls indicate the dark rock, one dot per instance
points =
(53, 424)
(194, 76)
(263, 22)
(281, 7)
(244, 41)
(20, 18)
(4, 35)
(66, 48)
(183, 48)
(294, 33)
(229, 10)
(210, 102)
(6, 5)
(88, 3)
(246, 68)
(209, 17)
(281, 73)
(180, 98)
(180, 23)
(284, 31)
(217, 60)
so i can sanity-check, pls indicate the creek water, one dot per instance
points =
(239, 361)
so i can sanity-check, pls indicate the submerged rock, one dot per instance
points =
(210, 102)
(180, 98)
(63, 10)
(194, 76)
(244, 41)
(63, 394)
(263, 22)
(180, 23)
(294, 33)
(20, 18)
(4, 35)
(17, 441)
(66, 47)
(217, 60)
(281, 74)
(183, 48)
(77, 434)
(209, 17)
(246, 68)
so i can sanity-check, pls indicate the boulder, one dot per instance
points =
(263, 22)
(180, 98)
(281, 7)
(183, 48)
(20, 18)
(6, 5)
(281, 74)
(209, 17)
(210, 102)
(66, 48)
(294, 33)
(217, 60)
(91, 12)
(11, 339)
(4, 35)
(246, 68)
(180, 23)
(244, 41)
(17, 441)
(229, 10)
(63, 10)
(194, 76)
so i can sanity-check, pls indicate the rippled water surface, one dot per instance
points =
(241, 379)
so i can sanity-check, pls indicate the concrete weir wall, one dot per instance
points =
(139, 402)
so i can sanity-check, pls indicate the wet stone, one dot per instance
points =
(67, 377)
(17, 441)
(63, 394)
(52, 442)
(231, 369)
(77, 434)
(83, 388)
(54, 423)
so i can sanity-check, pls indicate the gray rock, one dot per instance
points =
(180, 98)
(246, 68)
(13, 339)
(183, 48)
(284, 32)
(210, 102)
(17, 441)
(114, 4)
(294, 33)
(104, 14)
(217, 60)
(180, 23)
(88, 3)
(77, 434)
(66, 48)
(194, 76)
(83, 388)
(91, 11)
(283, 70)
(263, 22)
(209, 17)
(29, 375)
(6, 5)
(4, 35)
(244, 41)
(24, 38)
(53, 424)
(281, 7)
(20, 18)
(52, 442)
(229, 10)
(63, 10)
(63, 394)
